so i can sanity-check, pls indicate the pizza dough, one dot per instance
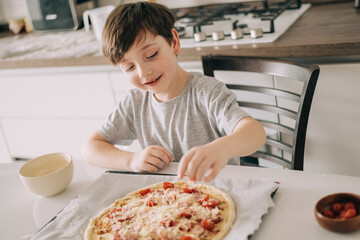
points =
(166, 210)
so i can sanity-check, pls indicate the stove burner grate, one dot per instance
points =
(265, 11)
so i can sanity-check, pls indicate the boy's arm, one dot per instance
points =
(98, 151)
(247, 137)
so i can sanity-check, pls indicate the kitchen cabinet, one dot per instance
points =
(28, 138)
(4, 151)
(76, 95)
(55, 111)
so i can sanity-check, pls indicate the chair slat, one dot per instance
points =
(278, 127)
(273, 158)
(269, 91)
(278, 144)
(269, 108)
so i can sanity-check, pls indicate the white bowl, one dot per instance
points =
(48, 175)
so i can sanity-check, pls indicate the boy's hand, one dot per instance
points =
(151, 159)
(200, 159)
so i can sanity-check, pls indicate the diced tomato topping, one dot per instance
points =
(348, 213)
(187, 189)
(217, 219)
(207, 225)
(337, 207)
(349, 205)
(185, 212)
(151, 203)
(168, 222)
(211, 203)
(167, 185)
(203, 198)
(143, 192)
(187, 238)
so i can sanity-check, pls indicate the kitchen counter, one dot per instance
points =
(328, 30)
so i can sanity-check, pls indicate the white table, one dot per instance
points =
(22, 213)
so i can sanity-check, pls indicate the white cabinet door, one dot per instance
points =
(4, 151)
(120, 85)
(75, 95)
(53, 112)
(28, 138)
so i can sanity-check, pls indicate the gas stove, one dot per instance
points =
(243, 22)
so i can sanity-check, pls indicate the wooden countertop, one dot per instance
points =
(325, 30)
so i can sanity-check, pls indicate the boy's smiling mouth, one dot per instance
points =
(153, 82)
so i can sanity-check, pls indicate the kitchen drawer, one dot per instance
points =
(28, 138)
(56, 95)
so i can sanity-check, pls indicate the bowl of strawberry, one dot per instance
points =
(339, 212)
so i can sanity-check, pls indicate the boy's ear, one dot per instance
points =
(175, 42)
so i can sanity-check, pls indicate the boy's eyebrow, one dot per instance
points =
(148, 45)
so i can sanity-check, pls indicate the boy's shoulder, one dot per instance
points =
(133, 96)
(201, 81)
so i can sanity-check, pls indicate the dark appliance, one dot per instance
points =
(49, 15)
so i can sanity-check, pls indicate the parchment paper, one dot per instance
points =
(252, 199)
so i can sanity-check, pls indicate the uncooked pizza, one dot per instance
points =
(167, 210)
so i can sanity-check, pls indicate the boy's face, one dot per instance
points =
(150, 64)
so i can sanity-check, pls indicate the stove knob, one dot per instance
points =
(219, 35)
(256, 32)
(199, 36)
(236, 34)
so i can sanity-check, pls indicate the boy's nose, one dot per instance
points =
(144, 71)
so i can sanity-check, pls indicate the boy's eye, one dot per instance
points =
(129, 69)
(153, 55)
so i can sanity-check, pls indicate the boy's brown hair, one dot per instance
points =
(129, 21)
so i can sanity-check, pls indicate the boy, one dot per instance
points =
(176, 115)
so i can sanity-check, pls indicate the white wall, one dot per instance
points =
(333, 136)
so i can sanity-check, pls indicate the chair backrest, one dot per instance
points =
(277, 93)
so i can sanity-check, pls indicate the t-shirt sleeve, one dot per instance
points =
(224, 108)
(119, 127)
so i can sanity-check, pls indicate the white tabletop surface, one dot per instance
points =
(23, 213)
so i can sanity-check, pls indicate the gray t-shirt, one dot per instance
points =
(204, 111)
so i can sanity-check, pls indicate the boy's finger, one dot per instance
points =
(203, 167)
(184, 161)
(163, 154)
(155, 161)
(193, 166)
(213, 173)
(150, 168)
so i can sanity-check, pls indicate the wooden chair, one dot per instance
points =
(278, 94)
